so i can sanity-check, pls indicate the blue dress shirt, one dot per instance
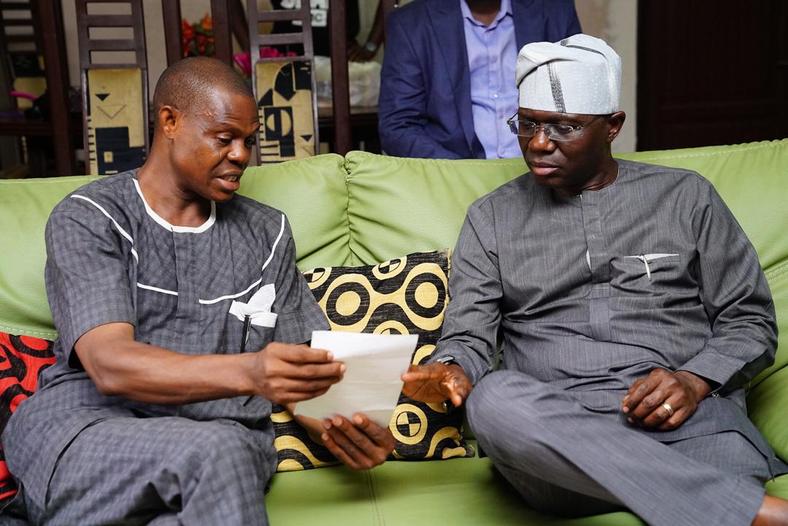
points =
(492, 55)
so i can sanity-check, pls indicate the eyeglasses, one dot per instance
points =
(558, 132)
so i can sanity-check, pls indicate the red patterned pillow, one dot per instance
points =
(21, 359)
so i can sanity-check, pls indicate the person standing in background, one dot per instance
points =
(447, 85)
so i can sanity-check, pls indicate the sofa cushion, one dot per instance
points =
(295, 450)
(465, 491)
(313, 194)
(21, 359)
(406, 295)
(398, 205)
(25, 206)
(460, 491)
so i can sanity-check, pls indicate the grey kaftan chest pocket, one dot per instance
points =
(646, 273)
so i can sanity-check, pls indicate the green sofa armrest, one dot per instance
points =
(24, 208)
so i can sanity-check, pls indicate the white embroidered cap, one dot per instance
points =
(579, 74)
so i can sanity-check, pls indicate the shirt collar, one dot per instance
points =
(506, 9)
(175, 228)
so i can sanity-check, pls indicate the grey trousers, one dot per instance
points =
(160, 471)
(566, 459)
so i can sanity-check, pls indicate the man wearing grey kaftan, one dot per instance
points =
(630, 310)
(181, 317)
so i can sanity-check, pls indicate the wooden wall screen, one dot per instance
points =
(284, 87)
(114, 89)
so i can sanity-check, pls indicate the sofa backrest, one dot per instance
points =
(366, 208)
(395, 206)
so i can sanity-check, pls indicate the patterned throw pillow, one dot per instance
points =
(21, 359)
(407, 295)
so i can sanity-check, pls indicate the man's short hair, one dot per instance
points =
(187, 83)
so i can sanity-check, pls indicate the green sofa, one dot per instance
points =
(365, 208)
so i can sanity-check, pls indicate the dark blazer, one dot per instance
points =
(425, 88)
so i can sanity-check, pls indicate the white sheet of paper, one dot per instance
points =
(371, 384)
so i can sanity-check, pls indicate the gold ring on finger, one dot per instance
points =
(668, 409)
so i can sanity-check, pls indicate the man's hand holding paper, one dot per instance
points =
(286, 373)
(374, 364)
(352, 418)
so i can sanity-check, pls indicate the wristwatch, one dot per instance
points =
(371, 47)
(447, 360)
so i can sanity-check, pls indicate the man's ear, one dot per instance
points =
(169, 119)
(614, 124)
